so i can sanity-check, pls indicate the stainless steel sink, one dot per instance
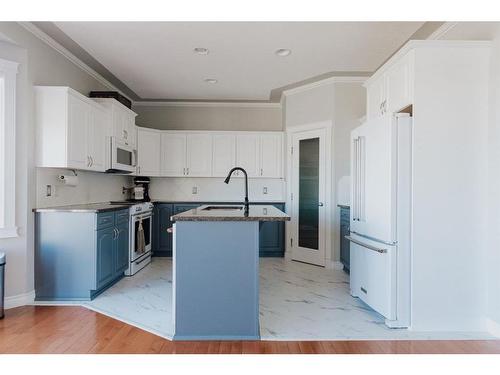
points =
(222, 208)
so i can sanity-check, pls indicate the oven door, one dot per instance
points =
(123, 157)
(142, 221)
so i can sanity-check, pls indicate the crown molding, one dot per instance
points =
(51, 42)
(442, 30)
(323, 82)
(205, 104)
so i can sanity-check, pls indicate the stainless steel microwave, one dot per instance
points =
(122, 157)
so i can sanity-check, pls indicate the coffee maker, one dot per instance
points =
(140, 192)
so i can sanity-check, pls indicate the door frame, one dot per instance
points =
(329, 186)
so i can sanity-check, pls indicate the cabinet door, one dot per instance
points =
(105, 256)
(248, 154)
(148, 152)
(78, 122)
(97, 132)
(163, 239)
(399, 84)
(375, 98)
(224, 154)
(271, 155)
(272, 237)
(173, 154)
(199, 155)
(121, 249)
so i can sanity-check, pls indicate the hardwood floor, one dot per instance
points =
(68, 329)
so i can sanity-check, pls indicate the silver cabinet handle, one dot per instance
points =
(91, 161)
(320, 204)
(184, 171)
(261, 172)
(187, 171)
(367, 246)
(88, 161)
(125, 134)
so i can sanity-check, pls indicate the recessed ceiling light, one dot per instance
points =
(211, 80)
(283, 52)
(201, 51)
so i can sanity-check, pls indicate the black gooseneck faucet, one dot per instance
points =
(246, 183)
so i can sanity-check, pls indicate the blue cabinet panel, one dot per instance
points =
(105, 255)
(121, 249)
(345, 255)
(162, 240)
(272, 237)
(105, 219)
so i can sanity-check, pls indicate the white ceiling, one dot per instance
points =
(156, 59)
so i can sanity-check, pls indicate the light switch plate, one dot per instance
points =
(194, 190)
(264, 190)
(48, 192)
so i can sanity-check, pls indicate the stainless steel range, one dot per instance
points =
(140, 235)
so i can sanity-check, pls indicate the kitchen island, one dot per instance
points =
(216, 271)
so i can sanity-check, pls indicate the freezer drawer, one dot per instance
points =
(373, 274)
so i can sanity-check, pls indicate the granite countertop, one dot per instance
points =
(213, 201)
(255, 213)
(90, 207)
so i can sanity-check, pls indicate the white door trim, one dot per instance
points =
(329, 187)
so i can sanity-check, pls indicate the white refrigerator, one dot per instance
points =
(380, 227)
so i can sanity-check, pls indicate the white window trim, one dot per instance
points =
(8, 71)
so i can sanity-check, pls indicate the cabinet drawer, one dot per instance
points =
(105, 219)
(122, 216)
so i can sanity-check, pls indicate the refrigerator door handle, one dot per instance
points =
(367, 246)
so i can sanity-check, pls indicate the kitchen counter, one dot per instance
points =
(89, 207)
(255, 213)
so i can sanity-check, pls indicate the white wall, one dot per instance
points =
(214, 189)
(343, 104)
(39, 65)
(92, 187)
(210, 117)
(449, 188)
(493, 247)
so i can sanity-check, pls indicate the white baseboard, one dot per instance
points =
(20, 300)
(492, 327)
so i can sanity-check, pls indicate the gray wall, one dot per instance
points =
(40, 65)
(209, 118)
(343, 104)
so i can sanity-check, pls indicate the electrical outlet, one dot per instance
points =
(195, 190)
(264, 190)
(48, 192)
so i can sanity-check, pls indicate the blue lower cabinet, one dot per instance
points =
(272, 237)
(78, 254)
(162, 240)
(345, 245)
(271, 234)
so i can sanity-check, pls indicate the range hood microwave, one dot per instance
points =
(122, 158)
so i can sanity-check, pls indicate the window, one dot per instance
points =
(8, 74)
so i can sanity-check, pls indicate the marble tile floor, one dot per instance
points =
(297, 302)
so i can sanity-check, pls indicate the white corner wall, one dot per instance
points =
(342, 103)
(450, 188)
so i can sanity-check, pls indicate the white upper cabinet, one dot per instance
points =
(399, 84)
(122, 119)
(271, 155)
(199, 155)
(148, 152)
(376, 97)
(248, 154)
(224, 154)
(78, 133)
(173, 154)
(392, 90)
(71, 129)
(98, 131)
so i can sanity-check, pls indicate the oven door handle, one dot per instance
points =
(142, 216)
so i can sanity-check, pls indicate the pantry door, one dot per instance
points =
(309, 196)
